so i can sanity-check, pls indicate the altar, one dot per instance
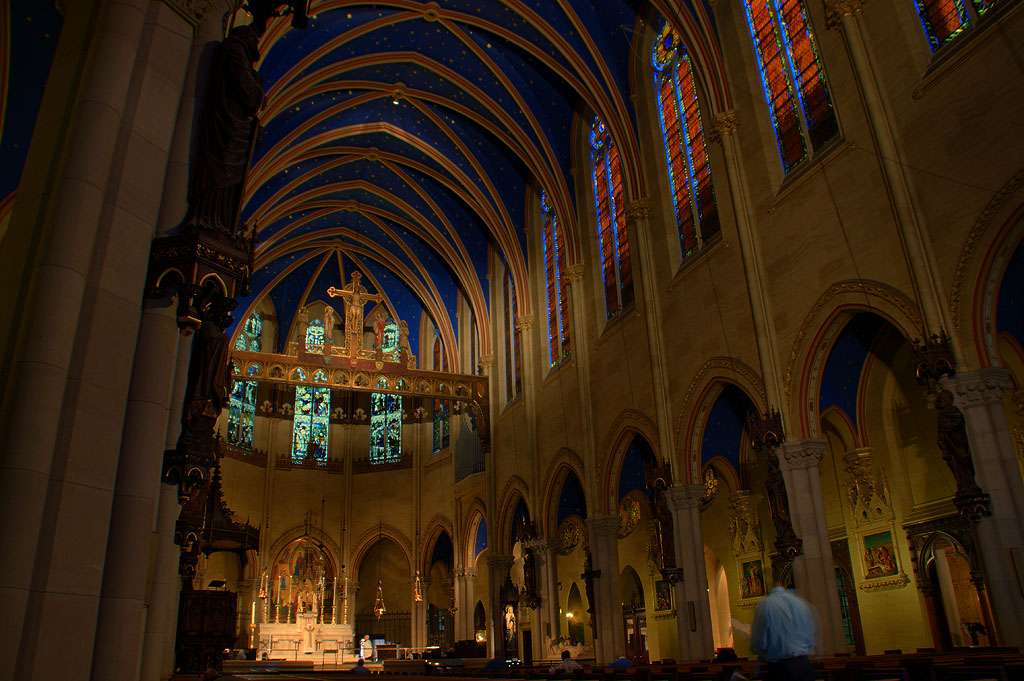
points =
(304, 638)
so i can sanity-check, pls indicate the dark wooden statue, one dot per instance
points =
(588, 576)
(228, 133)
(786, 542)
(956, 452)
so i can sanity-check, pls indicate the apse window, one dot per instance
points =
(945, 20)
(310, 423)
(242, 402)
(693, 194)
(385, 428)
(792, 78)
(610, 202)
(513, 340)
(555, 290)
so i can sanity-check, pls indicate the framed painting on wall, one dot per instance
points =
(751, 579)
(879, 556)
(662, 595)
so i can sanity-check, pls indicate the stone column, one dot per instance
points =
(723, 130)
(978, 394)
(637, 214)
(123, 612)
(603, 532)
(465, 600)
(545, 551)
(581, 359)
(693, 606)
(813, 570)
(524, 324)
(498, 566)
(921, 263)
(40, 370)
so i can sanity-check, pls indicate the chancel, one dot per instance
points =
(338, 329)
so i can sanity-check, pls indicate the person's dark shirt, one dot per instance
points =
(621, 663)
(497, 664)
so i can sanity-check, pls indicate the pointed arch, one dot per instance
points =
(617, 440)
(817, 352)
(477, 514)
(564, 461)
(371, 537)
(437, 526)
(331, 547)
(689, 422)
(515, 490)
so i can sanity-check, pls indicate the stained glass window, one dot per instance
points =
(943, 20)
(513, 360)
(610, 202)
(792, 77)
(310, 423)
(315, 336)
(844, 609)
(385, 428)
(629, 515)
(710, 483)
(442, 424)
(556, 290)
(692, 190)
(242, 403)
(390, 343)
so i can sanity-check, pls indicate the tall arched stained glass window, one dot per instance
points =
(442, 424)
(792, 77)
(556, 291)
(315, 336)
(693, 193)
(389, 346)
(513, 360)
(311, 422)
(944, 20)
(385, 428)
(611, 220)
(242, 403)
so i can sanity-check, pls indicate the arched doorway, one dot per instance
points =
(634, 616)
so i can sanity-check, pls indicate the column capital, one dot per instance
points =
(546, 545)
(683, 497)
(603, 526)
(486, 361)
(978, 388)
(500, 561)
(574, 273)
(524, 322)
(192, 11)
(835, 10)
(723, 124)
(803, 453)
(638, 210)
(465, 574)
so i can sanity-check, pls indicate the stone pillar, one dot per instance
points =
(723, 130)
(693, 606)
(813, 570)
(524, 324)
(921, 263)
(123, 612)
(161, 629)
(465, 600)
(637, 214)
(498, 566)
(546, 553)
(581, 360)
(603, 532)
(978, 394)
(40, 369)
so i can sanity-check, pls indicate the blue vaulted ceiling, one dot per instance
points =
(402, 139)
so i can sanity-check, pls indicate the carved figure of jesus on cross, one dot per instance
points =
(355, 297)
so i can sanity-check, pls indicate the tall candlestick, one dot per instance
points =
(291, 583)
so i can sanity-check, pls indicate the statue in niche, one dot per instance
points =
(330, 320)
(228, 133)
(209, 376)
(403, 345)
(778, 508)
(952, 441)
